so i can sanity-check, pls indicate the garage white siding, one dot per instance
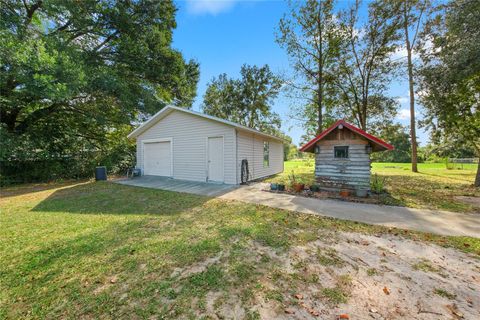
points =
(250, 147)
(189, 144)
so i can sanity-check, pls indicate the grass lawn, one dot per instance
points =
(101, 250)
(433, 187)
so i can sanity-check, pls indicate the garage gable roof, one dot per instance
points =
(168, 109)
(382, 145)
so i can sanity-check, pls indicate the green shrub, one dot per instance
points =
(377, 184)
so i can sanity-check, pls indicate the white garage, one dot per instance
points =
(188, 145)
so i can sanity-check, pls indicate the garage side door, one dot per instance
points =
(157, 159)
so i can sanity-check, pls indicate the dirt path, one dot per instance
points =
(433, 221)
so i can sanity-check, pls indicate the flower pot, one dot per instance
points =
(361, 193)
(298, 187)
(281, 187)
(314, 188)
(344, 193)
(273, 186)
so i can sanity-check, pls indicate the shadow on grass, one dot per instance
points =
(111, 198)
(461, 177)
(22, 189)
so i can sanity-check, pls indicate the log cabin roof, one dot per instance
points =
(378, 144)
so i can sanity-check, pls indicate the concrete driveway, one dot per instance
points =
(433, 221)
(194, 187)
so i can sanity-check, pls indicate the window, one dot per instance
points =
(340, 152)
(266, 154)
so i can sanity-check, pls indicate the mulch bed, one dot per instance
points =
(372, 198)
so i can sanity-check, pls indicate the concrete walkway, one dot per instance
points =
(433, 221)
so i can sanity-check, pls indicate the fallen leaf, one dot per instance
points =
(373, 310)
(385, 289)
(343, 316)
(454, 310)
(289, 311)
(466, 245)
(314, 313)
(113, 279)
(298, 296)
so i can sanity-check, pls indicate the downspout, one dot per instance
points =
(236, 155)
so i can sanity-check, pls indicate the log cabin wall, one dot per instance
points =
(335, 174)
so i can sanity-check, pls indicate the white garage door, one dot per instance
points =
(157, 159)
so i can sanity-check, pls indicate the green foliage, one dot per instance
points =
(72, 74)
(450, 78)
(311, 37)
(396, 135)
(290, 150)
(365, 68)
(444, 293)
(21, 162)
(335, 295)
(248, 100)
(377, 183)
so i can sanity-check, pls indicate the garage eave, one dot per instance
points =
(166, 110)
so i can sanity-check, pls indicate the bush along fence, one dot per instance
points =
(78, 166)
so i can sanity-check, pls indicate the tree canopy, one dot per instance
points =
(450, 78)
(312, 38)
(72, 72)
(248, 100)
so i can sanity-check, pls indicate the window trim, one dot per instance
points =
(344, 148)
(266, 153)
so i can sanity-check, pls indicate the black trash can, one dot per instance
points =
(100, 173)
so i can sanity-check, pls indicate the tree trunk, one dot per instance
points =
(320, 71)
(413, 134)
(320, 116)
(477, 178)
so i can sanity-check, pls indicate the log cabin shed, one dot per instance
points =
(342, 157)
(188, 145)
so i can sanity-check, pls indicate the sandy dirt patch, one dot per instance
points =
(359, 276)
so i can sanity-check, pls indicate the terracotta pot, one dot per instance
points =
(298, 187)
(344, 193)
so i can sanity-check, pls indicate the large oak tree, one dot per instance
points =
(74, 71)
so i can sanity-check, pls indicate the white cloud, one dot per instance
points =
(213, 7)
(401, 53)
(403, 100)
(404, 114)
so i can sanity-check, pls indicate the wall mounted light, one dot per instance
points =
(317, 149)
(368, 149)
(340, 126)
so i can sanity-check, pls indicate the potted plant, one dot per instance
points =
(361, 193)
(296, 184)
(273, 186)
(281, 187)
(344, 193)
(314, 188)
